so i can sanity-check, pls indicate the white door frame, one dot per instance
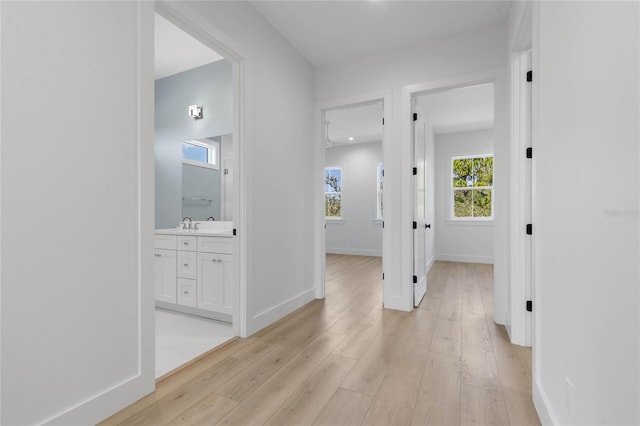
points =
(495, 76)
(319, 217)
(185, 18)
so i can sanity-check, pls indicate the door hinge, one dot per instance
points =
(414, 171)
(382, 173)
(383, 121)
(383, 275)
(234, 231)
(383, 224)
(529, 229)
(529, 76)
(415, 279)
(415, 225)
(415, 116)
(529, 306)
(530, 152)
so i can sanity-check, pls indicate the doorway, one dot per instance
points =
(199, 259)
(351, 165)
(453, 189)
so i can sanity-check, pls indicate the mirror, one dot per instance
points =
(207, 183)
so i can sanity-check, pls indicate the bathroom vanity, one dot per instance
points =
(194, 270)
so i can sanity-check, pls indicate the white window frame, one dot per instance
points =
(379, 191)
(213, 154)
(335, 218)
(470, 219)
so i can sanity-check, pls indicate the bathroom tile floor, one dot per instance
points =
(181, 338)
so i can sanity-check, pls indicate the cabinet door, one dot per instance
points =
(226, 284)
(209, 272)
(165, 275)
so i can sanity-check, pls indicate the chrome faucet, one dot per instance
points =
(184, 223)
(210, 218)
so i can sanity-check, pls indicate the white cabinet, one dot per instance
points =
(194, 274)
(165, 275)
(215, 282)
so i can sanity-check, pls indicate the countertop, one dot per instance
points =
(202, 233)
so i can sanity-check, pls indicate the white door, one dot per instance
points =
(528, 205)
(420, 209)
(165, 275)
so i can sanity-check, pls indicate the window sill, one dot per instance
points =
(201, 164)
(329, 221)
(479, 222)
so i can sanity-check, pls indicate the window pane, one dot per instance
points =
(195, 152)
(333, 205)
(462, 169)
(483, 171)
(333, 180)
(462, 203)
(482, 203)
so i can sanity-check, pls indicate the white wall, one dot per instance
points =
(357, 233)
(77, 330)
(77, 209)
(279, 155)
(460, 241)
(440, 60)
(586, 212)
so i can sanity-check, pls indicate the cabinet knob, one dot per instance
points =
(185, 243)
(186, 265)
(186, 292)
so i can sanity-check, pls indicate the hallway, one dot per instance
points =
(345, 360)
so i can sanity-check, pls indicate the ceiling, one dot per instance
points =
(177, 51)
(459, 110)
(453, 110)
(327, 32)
(362, 123)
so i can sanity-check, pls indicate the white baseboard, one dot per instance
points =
(430, 264)
(507, 323)
(541, 402)
(355, 252)
(273, 314)
(463, 258)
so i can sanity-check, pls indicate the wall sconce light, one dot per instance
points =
(195, 111)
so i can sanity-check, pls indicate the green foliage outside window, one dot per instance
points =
(333, 192)
(472, 180)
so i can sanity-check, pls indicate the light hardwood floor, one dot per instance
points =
(346, 361)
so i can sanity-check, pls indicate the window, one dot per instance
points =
(333, 192)
(201, 154)
(472, 187)
(380, 203)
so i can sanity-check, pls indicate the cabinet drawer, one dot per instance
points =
(186, 292)
(187, 243)
(215, 245)
(167, 242)
(187, 264)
